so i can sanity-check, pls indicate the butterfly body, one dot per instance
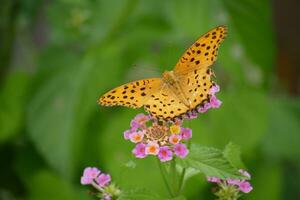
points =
(172, 81)
(179, 91)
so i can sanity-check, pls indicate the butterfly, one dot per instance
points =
(179, 91)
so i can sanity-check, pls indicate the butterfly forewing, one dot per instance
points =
(203, 52)
(133, 95)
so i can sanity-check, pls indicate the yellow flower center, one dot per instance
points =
(152, 149)
(175, 129)
(137, 138)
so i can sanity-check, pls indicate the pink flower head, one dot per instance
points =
(233, 181)
(245, 173)
(140, 150)
(213, 179)
(174, 138)
(103, 180)
(180, 150)
(152, 148)
(126, 134)
(165, 154)
(215, 89)
(191, 115)
(106, 196)
(214, 102)
(186, 133)
(245, 186)
(89, 174)
(204, 108)
(136, 137)
(139, 121)
(178, 122)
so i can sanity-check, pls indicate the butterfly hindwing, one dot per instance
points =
(203, 52)
(133, 94)
(196, 85)
(165, 104)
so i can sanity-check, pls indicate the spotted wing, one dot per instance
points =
(203, 52)
(133, 94)
(156, 97)
(165, 105)
(196, 86)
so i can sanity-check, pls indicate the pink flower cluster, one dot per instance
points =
(92, 175)
(242, 185)
(163, 141)
(214, 102)
(101, 182)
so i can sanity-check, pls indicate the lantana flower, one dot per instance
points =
(236, 185)
(89, 175)
(101, 182)
(165, 154)
(165, 139)
(162, 140)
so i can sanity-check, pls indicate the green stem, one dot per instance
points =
(163, 174)
(180, 185)
(173, 176)
(181, 180)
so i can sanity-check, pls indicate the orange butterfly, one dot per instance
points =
(178, 91)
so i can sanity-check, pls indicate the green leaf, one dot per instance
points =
(60, 110)
(178, 198)
(268, 182)
(252, 20)
(13, 98)
(62, 106)
(237, 121)
(210, 162)
(282, 138)
(232, 153)
(138, 194)
(46, 185)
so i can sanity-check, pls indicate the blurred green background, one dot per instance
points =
(58, 56)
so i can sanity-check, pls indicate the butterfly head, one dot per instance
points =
(169, 78)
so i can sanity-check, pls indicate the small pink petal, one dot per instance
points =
(245, 173)
(178, 122)
(233, 181)
(126, 134)
(215, 89)
(174, 138)
(136, 137)
(204, 108)
(107, 197)
(86, 180)
(140, 150)
(191, 115)
(91, 172)
(180, 150)
(245, 186)
(165, 154)
(214, 102)
(213, 179)
(186, 133)
(139, 121)
(152, 148)
(103, 179)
